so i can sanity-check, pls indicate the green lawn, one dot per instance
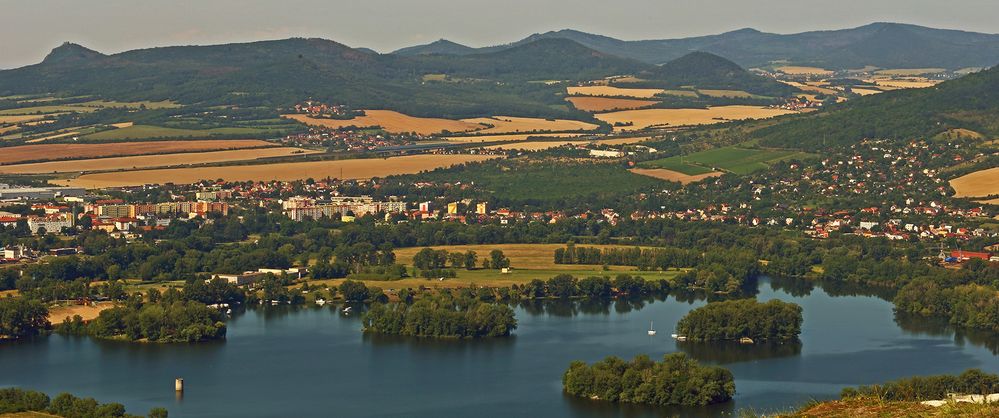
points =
(732, 159)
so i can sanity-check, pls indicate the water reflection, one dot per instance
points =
(940, 327)
(600, 409)
(733, 352)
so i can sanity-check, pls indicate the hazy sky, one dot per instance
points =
(30, 28)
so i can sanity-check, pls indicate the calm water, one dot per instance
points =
(316, 362)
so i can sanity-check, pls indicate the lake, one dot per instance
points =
(314, 361)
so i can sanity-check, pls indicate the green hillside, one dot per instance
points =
(970, 102)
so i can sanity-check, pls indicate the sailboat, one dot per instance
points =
(652, 331)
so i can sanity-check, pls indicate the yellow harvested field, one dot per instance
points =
(907, 84)
(628, 79)
(507, 137)
(865, 92)
(603, 104)
(810, 87)
(614, 91)
(48, 152)
(910, 71)
(346, 169)
(87, 312)
(624, 141)
(147, 161)
(977, 184)
(6, 129)
(393, 122)
(54, 136)
(798, 70)
(510, 124)
(123, 125)
(670, 175)
(641, 119)
(543, 145)
(725, 93)
(535, 146)
(20, 118)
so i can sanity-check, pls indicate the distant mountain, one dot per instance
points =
(441, 47)
(708, 71)
(885, 45)
(540, 60)
(282, 72)
(970, 102)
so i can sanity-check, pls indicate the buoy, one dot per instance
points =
(179, 384)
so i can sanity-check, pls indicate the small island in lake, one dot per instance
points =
(677, 380)
(745, 320)
(442, 315)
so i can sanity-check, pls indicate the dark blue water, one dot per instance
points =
(316, 362)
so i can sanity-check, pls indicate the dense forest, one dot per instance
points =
(676, 380)
(773, 321)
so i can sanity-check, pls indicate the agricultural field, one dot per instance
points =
(978, 184)
(604, 104)
(148, 161)
(153, 132)
(645, 118)
(393, 122)
(865, 92)
(49, 152)
(812, 87)
(909, 72)
(731, 159)
(19, 118)
(906, 84)
(614, 91)
(505, 137)
(799, 70)
(535, 146)
(739, 94)
(345, 169)
(510, 124)
(529, 262)
(670, 175)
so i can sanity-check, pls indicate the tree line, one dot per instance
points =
(676, 380)
(16, 400)
(921, 388)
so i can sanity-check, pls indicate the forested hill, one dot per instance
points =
(512, 81)
(708, 71)
(885, 45)
(970, 102)
(440, 47)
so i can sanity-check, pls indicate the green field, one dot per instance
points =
(148, 132)
(732, 159)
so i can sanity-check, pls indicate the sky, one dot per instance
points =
(31, 28)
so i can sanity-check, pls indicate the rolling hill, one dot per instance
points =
(440, 47)
(970, 102)
(708, 71)
(509, 81)
(885, 45)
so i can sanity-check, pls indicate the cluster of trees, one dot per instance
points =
(735, 319)
(442, 315)
(713, 270)
(920, 388)
(16, 400)
(677, 380)
(643, 258)
(163, 322)
(565, 286)
(22, 317)
(969, 305)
